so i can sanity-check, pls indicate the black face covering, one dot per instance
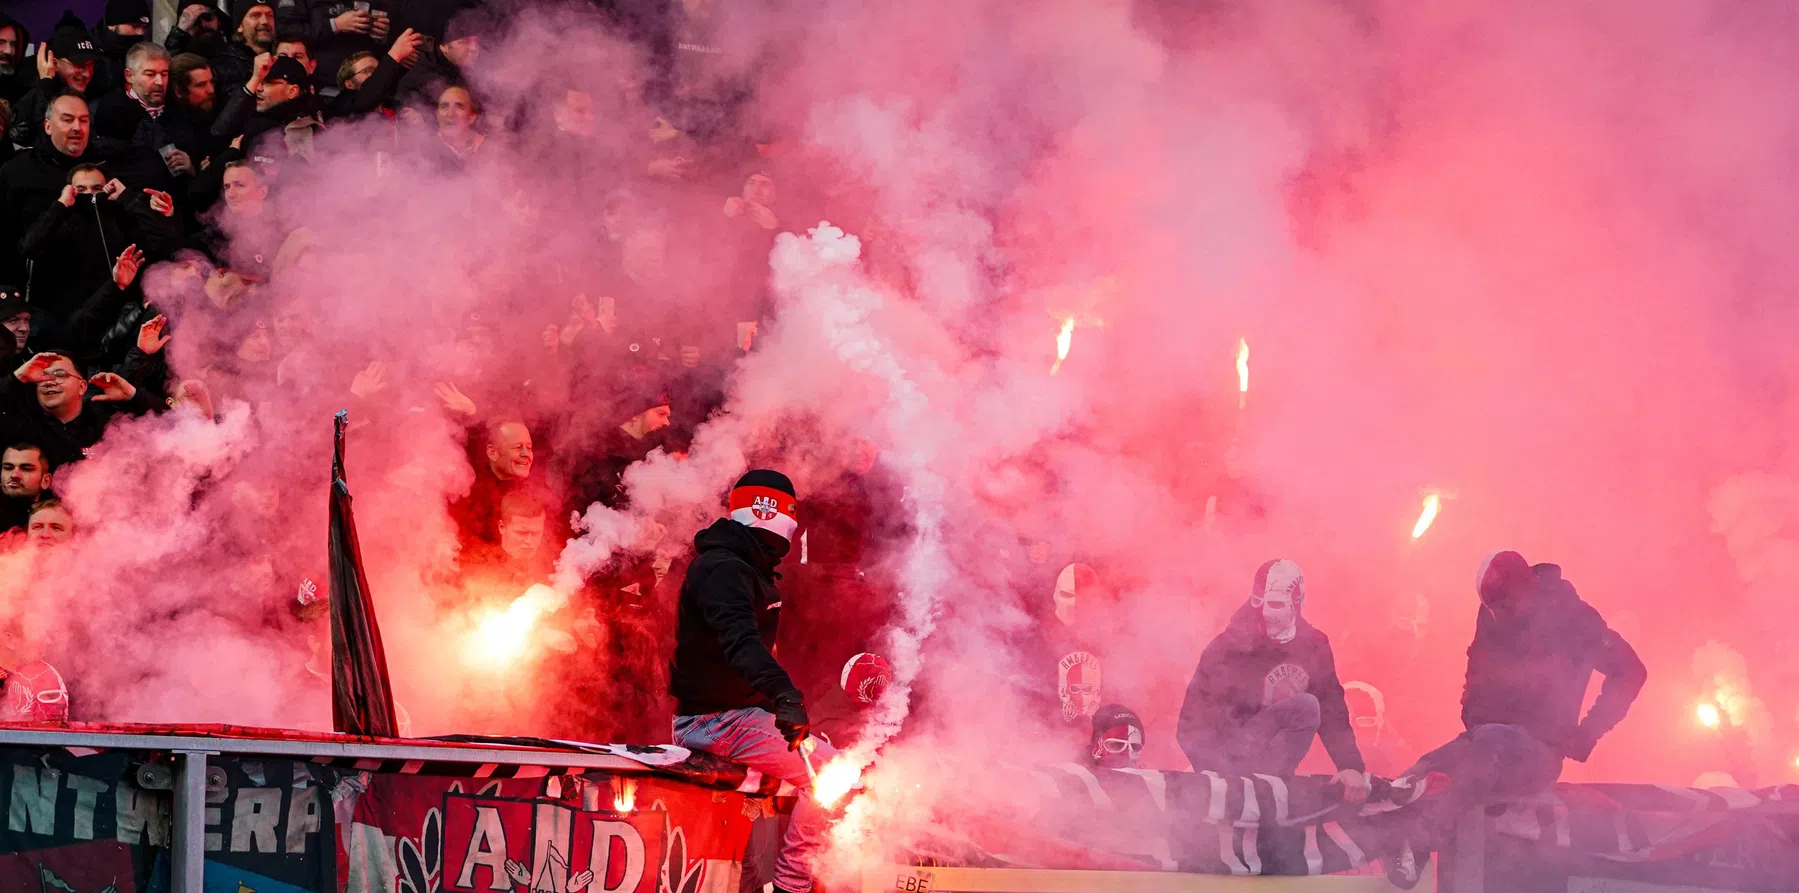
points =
(772, 543)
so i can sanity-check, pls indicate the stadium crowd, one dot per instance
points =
(130, 161)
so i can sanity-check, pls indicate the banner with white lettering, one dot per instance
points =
(82, 824)
(582, 833)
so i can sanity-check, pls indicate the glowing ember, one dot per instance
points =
(1709, 716)
(624, 797)
(1064, 340)
(836, 779)
(501, 636)
(1242, 372)
(1431, 503)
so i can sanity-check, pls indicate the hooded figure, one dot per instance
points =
(1536, 646)
(732, 698)
(1266, 686)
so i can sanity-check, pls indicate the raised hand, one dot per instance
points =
(406, 47)
(37, 368)
(124, 270)
(113, 388)
(150, 336)
(162, 202)
(453, 399)
(354, 21)
(370, 381)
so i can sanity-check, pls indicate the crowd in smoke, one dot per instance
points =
(569, 268)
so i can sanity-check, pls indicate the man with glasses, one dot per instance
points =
(1266, 687)
(48, 402)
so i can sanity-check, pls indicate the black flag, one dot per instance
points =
(362, 702)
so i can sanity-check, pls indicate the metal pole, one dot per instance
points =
(188, 840)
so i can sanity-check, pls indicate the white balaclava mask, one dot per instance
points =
(1277, 596)
(1075, 581)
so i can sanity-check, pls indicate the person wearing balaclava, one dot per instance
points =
(732, 698)
(1266, 686)
(1536, 646)
(1117, 741)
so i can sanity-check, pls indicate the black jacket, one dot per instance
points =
(28, 112)
(1237, 674)
(24, 421)
(1532, 670)
(376, 92)
(119, 116)
(725, 624)
(232, 66)
(72, 248)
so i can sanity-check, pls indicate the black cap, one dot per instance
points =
(74, 46)
(287, 68)
(127, 12)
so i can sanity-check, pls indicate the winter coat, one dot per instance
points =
(232, 66)
(28, 112)
(725, 625)
(1242, 671)
(23, 421)
(72, 248)
(375, 93)
(1532, 669)
(119, 116)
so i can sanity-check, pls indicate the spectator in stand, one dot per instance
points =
(285, 103)
(46, 401)
(519, 559)
(65, 65)
(450, 63)
(509, 459)
(196, 94)
(296, 49)
(368, 81)
(254, 35)
(24, 480)
(51, 524)
(200, 30)
(75, 245)
(600, 475)
(125, 24)
(15, 316)
(141, 114)
(245, 233)
(458, 136)
(14, 76)
(334, 29)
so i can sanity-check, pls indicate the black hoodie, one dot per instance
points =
(1237, 674)
(24, 75)
(1531, 669)
(725, 625)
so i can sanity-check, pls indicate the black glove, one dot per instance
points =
(791, 719)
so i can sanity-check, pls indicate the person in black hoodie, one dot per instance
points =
(1266, 686)
(125, 23)
(732, 697)
(16, 71)
(74, 246)
(1536, 646)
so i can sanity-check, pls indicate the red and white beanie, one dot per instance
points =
(764, 499)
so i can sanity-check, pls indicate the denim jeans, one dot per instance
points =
(1274, 740)
(1488, 763)
(748, 735)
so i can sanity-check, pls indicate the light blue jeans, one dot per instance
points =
(748, 735)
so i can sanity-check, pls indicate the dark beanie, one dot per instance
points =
(762, 477)
(127, 12)
(765, 500)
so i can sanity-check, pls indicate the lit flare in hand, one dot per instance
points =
(1709, 715)
(837, 778)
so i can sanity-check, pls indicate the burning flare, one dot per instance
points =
(836, 779)
(1709, 715)
(501, 636)
(624, 797)
(1242, 372)
(1432, 501)
(1064, 339)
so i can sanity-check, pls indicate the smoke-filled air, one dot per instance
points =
(1060, 318)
